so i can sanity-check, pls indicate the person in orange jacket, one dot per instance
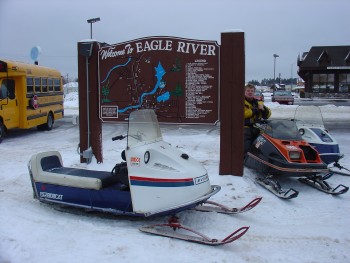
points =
(254, 112)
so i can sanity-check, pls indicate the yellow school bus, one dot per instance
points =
(30, 95)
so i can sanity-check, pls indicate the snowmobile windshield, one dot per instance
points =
(282, 130)
(143, 128)
(308, 116)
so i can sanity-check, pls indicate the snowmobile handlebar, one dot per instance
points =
(119, 137)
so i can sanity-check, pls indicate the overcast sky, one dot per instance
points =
(283, 27)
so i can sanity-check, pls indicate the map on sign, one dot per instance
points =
(158, 74)
(160, 84)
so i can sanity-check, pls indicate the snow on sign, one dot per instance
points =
(176, 77)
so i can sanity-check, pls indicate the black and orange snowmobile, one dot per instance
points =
(280, 151)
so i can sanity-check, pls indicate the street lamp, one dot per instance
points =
(274, 66)
(91, 21)
(291, 76)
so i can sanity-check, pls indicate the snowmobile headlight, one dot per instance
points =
(294, 155)
(301, 131)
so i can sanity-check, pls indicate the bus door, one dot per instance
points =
(9, 109)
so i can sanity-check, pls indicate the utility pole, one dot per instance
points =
(274, 66)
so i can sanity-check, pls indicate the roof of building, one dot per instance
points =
(325, 56)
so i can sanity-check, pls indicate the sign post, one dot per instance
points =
(232, 76)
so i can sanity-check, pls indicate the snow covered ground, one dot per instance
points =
(314, 227)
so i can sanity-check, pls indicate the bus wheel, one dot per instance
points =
(48, 125)
(2, 131)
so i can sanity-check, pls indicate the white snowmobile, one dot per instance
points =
(154, 180)
(309, 121)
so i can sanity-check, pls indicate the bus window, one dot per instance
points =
(11, 89)
(37, 85)
(30, 85)
(50, 84)
(57, 84)
(8, 89)
(44, 84)
(3, 90)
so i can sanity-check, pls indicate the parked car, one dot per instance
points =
(258, 95)
(283, 97)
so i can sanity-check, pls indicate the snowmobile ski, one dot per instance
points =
(319, 182)
(210, 206)
(194, 236)
(274, 187)
(339, 169)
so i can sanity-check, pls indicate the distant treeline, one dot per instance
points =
(66, 79)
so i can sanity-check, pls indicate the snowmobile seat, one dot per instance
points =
(47, 168)
(50, 162)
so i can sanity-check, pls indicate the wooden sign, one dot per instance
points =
(178, 78)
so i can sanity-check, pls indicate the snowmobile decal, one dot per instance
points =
(51, 196)
(259, 141)
(160, 182)
(135, 161)
(286, 169)
(201, 179)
